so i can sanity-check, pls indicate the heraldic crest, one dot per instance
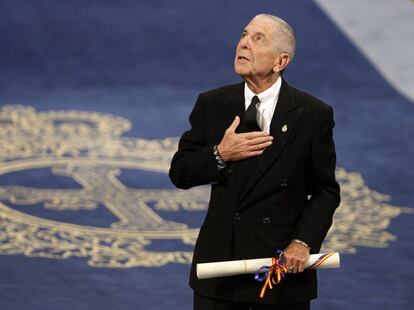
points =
(88, 148)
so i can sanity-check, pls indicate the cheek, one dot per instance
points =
(263, 62)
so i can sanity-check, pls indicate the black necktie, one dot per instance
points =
(250, 116)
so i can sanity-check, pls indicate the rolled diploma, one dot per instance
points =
(248, 266)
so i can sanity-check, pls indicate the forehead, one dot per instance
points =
(262, 25)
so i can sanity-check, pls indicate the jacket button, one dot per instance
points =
(236, 216)
(283, 182)
(267, 220)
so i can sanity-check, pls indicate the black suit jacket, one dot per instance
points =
(259, 205)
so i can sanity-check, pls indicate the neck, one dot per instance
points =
(258, 85)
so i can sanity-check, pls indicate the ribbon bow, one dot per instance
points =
(273, 274)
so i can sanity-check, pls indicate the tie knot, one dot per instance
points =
(255, 100)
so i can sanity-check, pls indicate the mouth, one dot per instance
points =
(242, 58)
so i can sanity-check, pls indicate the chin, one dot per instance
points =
(241, 70)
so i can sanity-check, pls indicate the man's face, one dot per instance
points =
(255, 53)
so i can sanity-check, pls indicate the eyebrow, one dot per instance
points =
(261, 33)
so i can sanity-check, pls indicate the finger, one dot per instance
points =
(253, 134)
(292, 263)
(259, 140)
(235, 124)
(302, 264)
(260, 146)
(289, 268)
(296, 267)
(301, 267)
(288, 263)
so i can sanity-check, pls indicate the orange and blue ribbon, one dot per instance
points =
(320, 261)
(273, 274)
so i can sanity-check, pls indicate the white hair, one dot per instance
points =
(284, 37)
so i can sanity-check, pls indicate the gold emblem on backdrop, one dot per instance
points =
(88, 148)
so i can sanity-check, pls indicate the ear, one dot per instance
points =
(281, 62)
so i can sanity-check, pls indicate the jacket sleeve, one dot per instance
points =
(317, 216)
(194, 163)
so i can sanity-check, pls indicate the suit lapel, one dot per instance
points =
(233, 106)
(283, 122)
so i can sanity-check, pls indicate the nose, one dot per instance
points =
(245, 42)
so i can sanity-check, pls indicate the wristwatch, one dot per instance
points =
(302, 243)
(220, 161)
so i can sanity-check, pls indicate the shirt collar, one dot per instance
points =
(271, 93)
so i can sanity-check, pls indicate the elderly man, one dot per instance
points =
(267, 150)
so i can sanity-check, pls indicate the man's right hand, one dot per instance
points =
(236, 146)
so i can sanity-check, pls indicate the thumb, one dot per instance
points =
(235, 124)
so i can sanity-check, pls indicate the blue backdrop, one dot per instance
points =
(146, 62)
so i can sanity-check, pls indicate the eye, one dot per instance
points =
(243, 34)
(258, 37)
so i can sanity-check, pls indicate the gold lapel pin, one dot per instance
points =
(284, 128)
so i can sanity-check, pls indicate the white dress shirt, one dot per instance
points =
(266, 106)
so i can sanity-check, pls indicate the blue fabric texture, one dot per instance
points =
(147, 62)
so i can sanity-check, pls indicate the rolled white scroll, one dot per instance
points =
(248, 266)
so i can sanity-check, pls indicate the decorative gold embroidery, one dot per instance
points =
(362, 218)
(88, 147)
